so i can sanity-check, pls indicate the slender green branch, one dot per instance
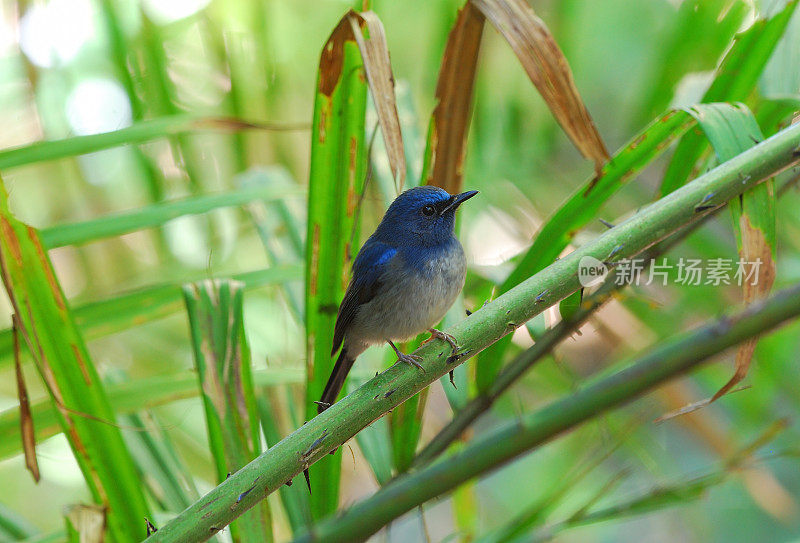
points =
(159, 213)
(660, 497)
(496, 448)
(347, 417)
(511, 373)
(140, 132)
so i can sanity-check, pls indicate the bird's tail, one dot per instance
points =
(336, 380)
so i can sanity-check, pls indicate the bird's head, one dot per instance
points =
(423, 215)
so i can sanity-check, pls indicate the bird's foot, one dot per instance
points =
(407, 358)
(438, 334)
(410, 359)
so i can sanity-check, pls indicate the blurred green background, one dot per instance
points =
(61, 75)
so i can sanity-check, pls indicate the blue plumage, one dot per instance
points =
(405, 278)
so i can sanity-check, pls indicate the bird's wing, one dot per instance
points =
(368, 268)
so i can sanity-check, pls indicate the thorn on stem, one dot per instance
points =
(614, 251)
(457, 356)
(315, 445)
(246, 492)
(703, 205)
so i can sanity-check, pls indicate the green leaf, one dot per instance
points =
(168, 479)
(336, 182)
(731, 130)
(129, 396)
(158, 214)
(101, 318)
(583, 205)
(118, 48)
(700, 33)
(294, 498)
(466, 509)
(537, 512)
(735, 80)
(58, 349)
(570, 305)
(329, 430)
(774, 114)
(222, 359)
(677, 494)
(137, 133)
(13, 527)
(581, 208)
(377, 449)
(280, 227)
(405, 426)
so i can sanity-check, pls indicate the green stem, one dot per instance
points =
(494, 449)
(510, 375)
(347, 417)
(544, 345)
(159, 213)
(140, 132)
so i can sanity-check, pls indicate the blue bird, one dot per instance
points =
(405, 278)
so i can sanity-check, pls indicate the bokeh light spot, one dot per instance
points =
(98, 105)
(52, 34)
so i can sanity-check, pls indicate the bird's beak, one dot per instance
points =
(459, 199)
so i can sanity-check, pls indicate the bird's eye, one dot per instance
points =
(428, 210)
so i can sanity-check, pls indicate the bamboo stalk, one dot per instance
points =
(511, 373)
(496, 319)
(496, 448)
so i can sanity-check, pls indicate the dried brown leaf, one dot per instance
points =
(89, 521)
(25, 417)
(548, 70)
(378, 68)
(332, 58)
(755, 248)
(450, 122)
(704, 428)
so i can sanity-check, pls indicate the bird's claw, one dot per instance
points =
(410, 359)
(407, 358)
(438, 334)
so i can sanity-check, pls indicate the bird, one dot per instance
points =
(404, 279)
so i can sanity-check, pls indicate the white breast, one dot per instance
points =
(412, 301)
